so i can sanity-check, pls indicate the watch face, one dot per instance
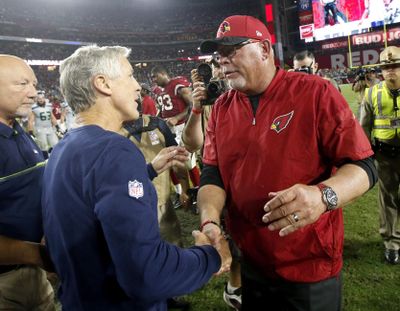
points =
(331, 197)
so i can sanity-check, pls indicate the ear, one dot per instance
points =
(266, 48)
(102, 84)
(316, 67)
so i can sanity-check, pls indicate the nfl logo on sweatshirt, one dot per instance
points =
(135, 189)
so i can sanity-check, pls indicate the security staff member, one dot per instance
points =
(380, 118)
(23, 284)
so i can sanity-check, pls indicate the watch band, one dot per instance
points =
(329, 196)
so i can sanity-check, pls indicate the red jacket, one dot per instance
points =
(302, 129)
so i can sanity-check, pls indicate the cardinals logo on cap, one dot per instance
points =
(281, 122)
(224, 27)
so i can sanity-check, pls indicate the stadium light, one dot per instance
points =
(35, 40)
(40, 62)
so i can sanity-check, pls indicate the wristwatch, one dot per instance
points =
(329, 196)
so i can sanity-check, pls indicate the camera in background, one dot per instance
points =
(214, 87)
(305, 69)
(360, 74)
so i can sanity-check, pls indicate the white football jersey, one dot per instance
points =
(42, 115)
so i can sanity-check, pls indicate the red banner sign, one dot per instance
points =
(355, 59)
(306, 31)
(334, 45)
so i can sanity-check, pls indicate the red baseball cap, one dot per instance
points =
(234, 30)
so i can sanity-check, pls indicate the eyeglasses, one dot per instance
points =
(229, 51)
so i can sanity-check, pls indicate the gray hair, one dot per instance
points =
(77, 71)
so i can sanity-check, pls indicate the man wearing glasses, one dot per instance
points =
(272, 143)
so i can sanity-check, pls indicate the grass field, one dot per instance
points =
(369, 283)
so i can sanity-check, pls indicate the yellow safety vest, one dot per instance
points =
(386, 120)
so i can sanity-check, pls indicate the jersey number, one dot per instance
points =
(165, 102)
(45, 115)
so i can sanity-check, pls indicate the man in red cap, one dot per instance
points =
(282, 153)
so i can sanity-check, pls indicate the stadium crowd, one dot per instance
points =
(173, 57)
(111, 25)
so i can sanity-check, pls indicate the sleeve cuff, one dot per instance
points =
(150, 170)
(214, 261)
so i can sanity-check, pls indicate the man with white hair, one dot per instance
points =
(100, 206)
(282, 153)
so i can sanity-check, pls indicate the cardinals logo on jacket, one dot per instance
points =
(281, 122)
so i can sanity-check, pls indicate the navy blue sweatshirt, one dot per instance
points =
(100, 223)
(21, 172)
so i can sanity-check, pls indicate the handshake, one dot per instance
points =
(210, 233)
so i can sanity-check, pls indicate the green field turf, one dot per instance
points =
(369, 283)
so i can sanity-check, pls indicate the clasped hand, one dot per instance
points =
(212, 235)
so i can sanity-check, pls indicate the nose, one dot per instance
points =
(32, 93)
